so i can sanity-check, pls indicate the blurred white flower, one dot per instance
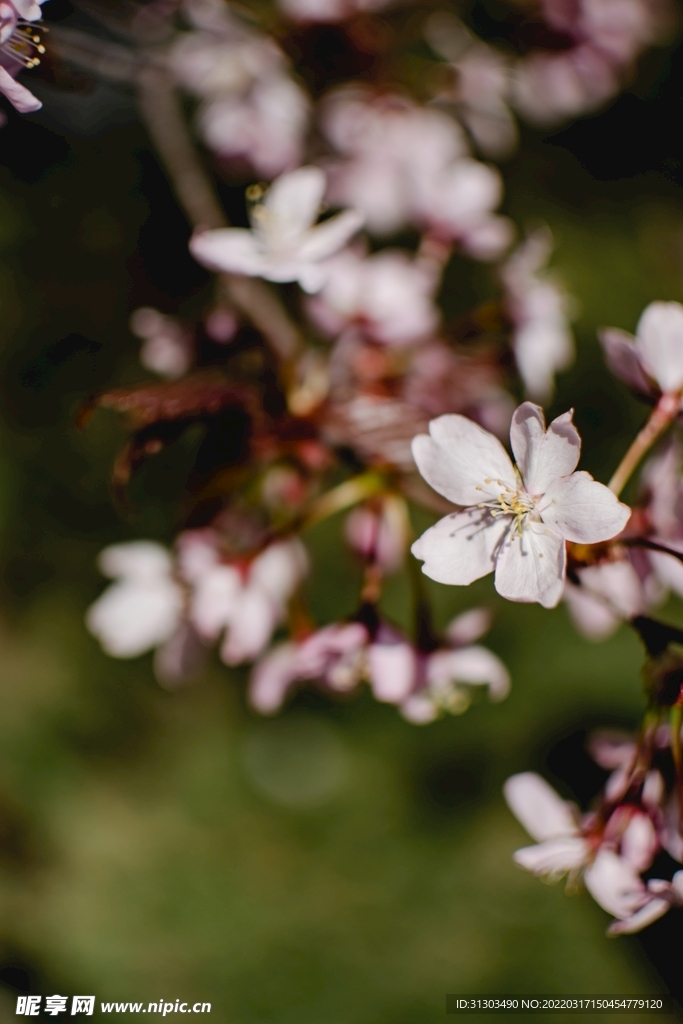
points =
(481, 86)
(285, 243)
(389, 295)
(244, 603)
(251, 108)
(538, 307)
(653, 360)
(407, 164)
(143, 608)
(515, 520)
(167, 348)
(608, 593)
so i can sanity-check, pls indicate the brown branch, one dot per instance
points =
(163, 115)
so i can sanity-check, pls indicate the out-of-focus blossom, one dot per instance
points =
(242, 602)
(167, 347)
(607, 593)
(481, 87)
(251, 108)
(606, 37)
(328, 10)
(379, 532)
(423, 685)
(515, 520)
(143, 607)
(285, 243)
(407, 164)
(389, 296)
(19, 48)
(265, 125)
(610, 860)
(651, 362)
(538, 307)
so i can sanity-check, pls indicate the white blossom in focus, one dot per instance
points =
(610, 867)
(242, 603)
(285, 243)
(143, 607)
(538, 306)
(515, 520)
(653, 360)
(389, 295)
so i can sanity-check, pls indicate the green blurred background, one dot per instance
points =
(335, 864)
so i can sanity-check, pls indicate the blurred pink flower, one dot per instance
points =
(380, 533)
(389, 296)
(515, 520)
(538, 307)
(243, 603)
(285, 243)
(167, 346)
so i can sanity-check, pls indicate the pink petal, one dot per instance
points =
(554, 857)
(272, 677)
(538, 807)
(531, 565)
(623, 360)
(393, 670)
(543, 455)
(228, 250)
(18, 95)
(461, 547)
(659, 342)
(615, 884)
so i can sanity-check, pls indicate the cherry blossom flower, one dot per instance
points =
(19, 48)
(389, 296)
(285, 244)
(607, 594)
(423, 685)
(251, 108)
(411, 164)
(167, 348)
(610, 863)
(379, 532)
(243, 603)
(538, 306)
(515, 520)
(143, 607)
(481, 87)
(651, 362)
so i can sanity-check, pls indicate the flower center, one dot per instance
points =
(518, 504)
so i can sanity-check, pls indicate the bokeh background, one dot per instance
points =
(334, 865)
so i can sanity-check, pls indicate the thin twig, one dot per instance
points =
(662, 416)
(164, 117)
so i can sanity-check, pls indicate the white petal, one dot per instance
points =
(554, 857)
(659, 341)
(215, 600)
(228, 250)
(272, 677)
(583, 510)
(469, 626)
(592, 617)
(131, 618)
(279, 569)
(611, 749)
(327, 238)
(652, 911)
(294, 199)
(623, 360)
(615, 884)
(463, 461)
(19, 96)
(531, 566)
(392, 671)
(419, 709)
(138, 560)
(543, 455)
(639, 842)
(461, 547)
(474, 665)
(538, 807)
(251, 628)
